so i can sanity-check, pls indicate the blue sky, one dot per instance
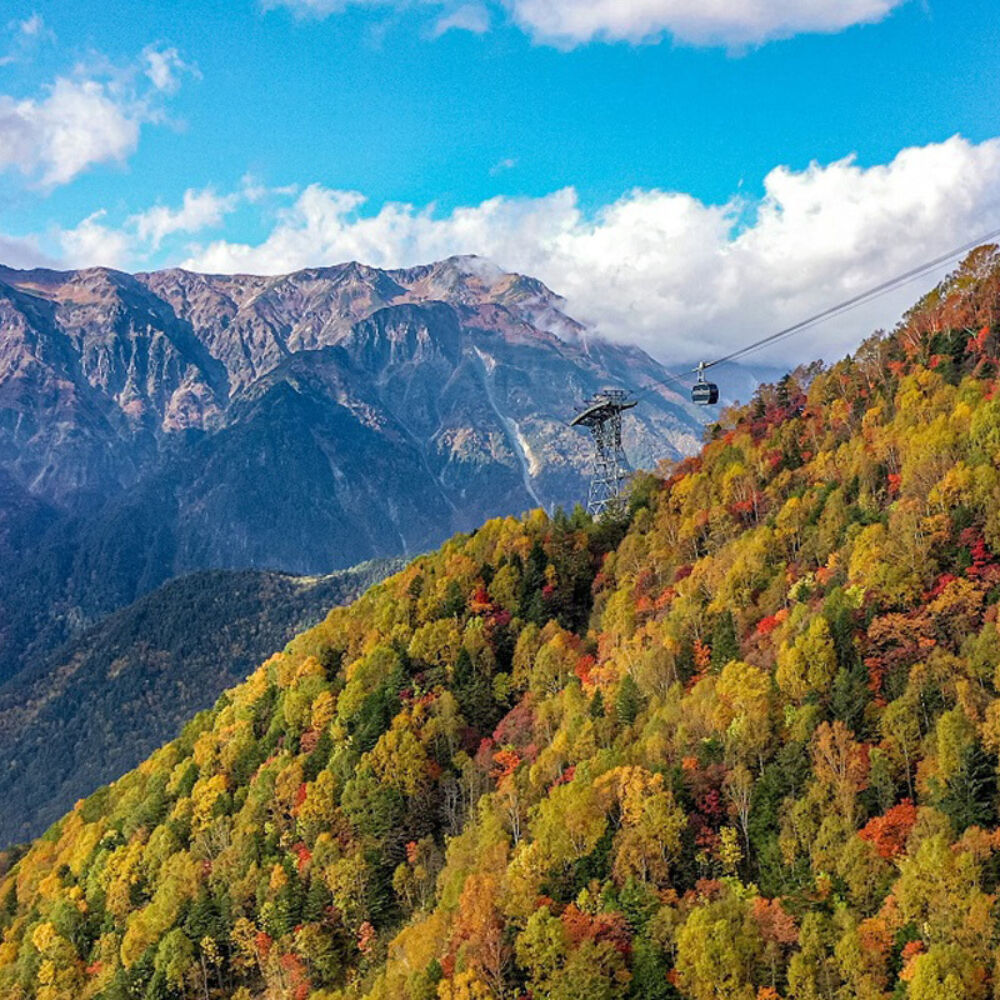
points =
(584, 129)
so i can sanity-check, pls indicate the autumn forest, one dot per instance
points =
(740, 745)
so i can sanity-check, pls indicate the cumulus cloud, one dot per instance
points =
(56, 137)
(95, 244)
(199, 210)
(567, 23)
(695, 22)
(80, 121)
(683, 278)
(96, 241)
(665, 270)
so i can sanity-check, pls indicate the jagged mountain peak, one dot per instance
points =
(169, 342)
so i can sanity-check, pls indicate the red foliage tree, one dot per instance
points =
(888, 833)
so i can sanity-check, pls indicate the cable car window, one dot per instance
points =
(705, 393)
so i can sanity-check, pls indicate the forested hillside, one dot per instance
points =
(743, 746)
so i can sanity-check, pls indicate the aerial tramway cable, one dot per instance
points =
(602, 414)
(706, 392)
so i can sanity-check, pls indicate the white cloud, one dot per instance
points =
(472, 17)
(164, 68)
(319, 8)
(682, 278)
(34, 27)
(508, 163)
(199, 210)
(94, 244)
(26, 251)
(28, 33)
(81, 121)
(567, 23)
(253, 191)
(694, 22)
(76, 125)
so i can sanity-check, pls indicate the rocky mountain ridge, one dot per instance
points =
(97, 357)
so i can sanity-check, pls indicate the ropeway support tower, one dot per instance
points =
(602, 416)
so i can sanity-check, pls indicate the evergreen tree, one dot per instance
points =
(725, 645)
(474, 693)
(969, 797)
(596, 710)
(850, 698)
(628, 704)
(650, 968)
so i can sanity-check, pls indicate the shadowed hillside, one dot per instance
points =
(97, 706)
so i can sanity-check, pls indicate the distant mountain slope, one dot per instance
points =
(168, 422)
(97, 706)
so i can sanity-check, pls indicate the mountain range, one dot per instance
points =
(162, 423)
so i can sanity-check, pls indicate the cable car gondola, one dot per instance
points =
(704, 393)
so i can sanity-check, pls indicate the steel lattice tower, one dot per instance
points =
(602, 415)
